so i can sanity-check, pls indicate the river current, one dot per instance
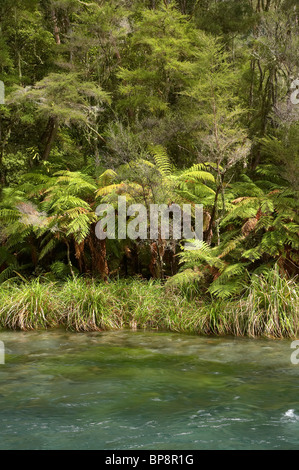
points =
(146, 390)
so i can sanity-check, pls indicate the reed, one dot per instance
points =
(29, 306)
(269, 307)
(89, 306)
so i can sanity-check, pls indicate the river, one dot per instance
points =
(146, 390)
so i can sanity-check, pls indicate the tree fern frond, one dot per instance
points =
(230, 282)
(195, 176)
(244, 209)
(252, 254)
(183, 279)
(229, 289)
(231, 245)
(79, 227)
(7, 273)
(120, 188)
(106, 178)
(9, 216)
(201, 253)
(67, 202)
(52, 243)
(76, 212)
(161, 159)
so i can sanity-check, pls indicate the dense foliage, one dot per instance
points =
(159, 101)
(268, 307)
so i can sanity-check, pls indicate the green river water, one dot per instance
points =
(146, 390)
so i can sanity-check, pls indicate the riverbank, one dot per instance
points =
(269, 308)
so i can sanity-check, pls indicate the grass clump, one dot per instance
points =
(29, 306)
(89, 306)
(269, 307)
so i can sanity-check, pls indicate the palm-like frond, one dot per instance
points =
(194, 176)
(106, 178)
(161, 159)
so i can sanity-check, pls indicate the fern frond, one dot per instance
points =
(106, 178)
(231, 245)
(52, 243)
(67, 202)
(9, 216)
(195, 176)
(183, 279)
(161, 159)
(230, 282)
(245, 209)
(227, 290)
(79, 227)
(201, 253)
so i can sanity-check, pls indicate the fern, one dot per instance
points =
(183, 279)
(230, 282)
(106, 178)
(244, 209)
(231, 245)
(228, 289)
(195, 176)
(9, 216)
(48, 248)
(161, 159)
(201, 254)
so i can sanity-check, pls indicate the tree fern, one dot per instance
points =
(106, 178)
(161, 159)
(50, 244)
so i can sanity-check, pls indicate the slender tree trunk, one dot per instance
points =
(79, 251)
(20, 66)
(3, 141)
(56, 29)
(213, 215)
(69, 259)
(52, 127)
(157, 253)
(34, 255)
(98, 254)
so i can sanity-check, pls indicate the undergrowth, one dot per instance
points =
(269, 307)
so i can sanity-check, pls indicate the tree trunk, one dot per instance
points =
(157, 253)
(56, 29)
(69, 259)
(213, 215)
(98, 255)
(79, 252)
(52, 127)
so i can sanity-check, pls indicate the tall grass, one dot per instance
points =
(269, 308)
(87, 306)
(29, 306)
